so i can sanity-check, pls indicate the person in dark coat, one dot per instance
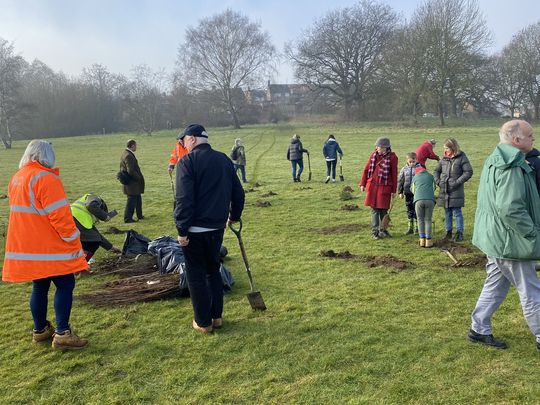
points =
(208, 196)
(379, 181)
(133, 190)
(295, 154)
(533, 157)
(451, 173)
(330, 151)
(87, 211)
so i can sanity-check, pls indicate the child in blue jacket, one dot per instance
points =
(330, 151)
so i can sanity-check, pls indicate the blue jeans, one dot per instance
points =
(456, 212)
(300, 164)
(203, 276)
(63, 299)
(242, 171)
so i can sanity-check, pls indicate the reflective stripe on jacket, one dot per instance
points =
(42, 240)
(79, 211)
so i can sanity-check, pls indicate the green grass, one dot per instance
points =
(335, 330)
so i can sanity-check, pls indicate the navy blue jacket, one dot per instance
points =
(208, 191)
(534, 160)
(331, 149)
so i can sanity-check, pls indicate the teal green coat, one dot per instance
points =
(423, 186)
(507, 222)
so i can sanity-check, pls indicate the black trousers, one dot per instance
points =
(134, 203)
(89, 249)
(411, 212)
(203, 277)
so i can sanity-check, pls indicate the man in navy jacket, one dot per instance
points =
(208, 194)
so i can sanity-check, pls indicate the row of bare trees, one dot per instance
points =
(363, 61)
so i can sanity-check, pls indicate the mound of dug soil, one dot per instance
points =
(305, 188)
(337, 255)
(257, 184)
(385, 261)
(269, 194)
(345, 228)
(349, 207)
(454, 247)
(249, 190)
(347, 189)
(262, 204)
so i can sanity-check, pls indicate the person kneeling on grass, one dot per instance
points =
(423, 188)
(42, 243)
(87, 211)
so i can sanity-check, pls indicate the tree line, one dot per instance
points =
(364, 62)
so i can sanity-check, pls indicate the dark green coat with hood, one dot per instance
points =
(507, 222)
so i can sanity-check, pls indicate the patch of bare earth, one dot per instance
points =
(269, 194)
(337, 255)
(262, 204)
(385, 261)
(349, 207)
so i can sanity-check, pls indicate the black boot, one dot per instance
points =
(459, 236)
(448, 235)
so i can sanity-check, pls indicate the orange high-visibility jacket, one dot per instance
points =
(177, 153)
(42, 239)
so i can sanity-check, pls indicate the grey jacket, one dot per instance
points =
(450, 175)
(295, 150)
(240, 155)
(405, 179)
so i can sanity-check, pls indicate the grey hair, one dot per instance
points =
(510, 130)
(238, 142)
(39, 151)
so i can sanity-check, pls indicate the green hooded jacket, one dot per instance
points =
(507, 221)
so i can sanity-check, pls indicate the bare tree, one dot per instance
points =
(526, 45)
(104, 87)
(508, 85)
(406, 69)
(226, 52)
(456, 33)
(144, 96)
(342, 52)
(11, 67)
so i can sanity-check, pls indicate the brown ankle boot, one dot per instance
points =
(217, 323)
(422, 242)
(202, 329)
(429, 243)
(45, 334)
(68, 341)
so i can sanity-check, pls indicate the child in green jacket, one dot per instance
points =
(423, 187)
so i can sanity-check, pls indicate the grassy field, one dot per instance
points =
(336, 330)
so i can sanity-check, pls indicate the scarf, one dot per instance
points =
(384, 166)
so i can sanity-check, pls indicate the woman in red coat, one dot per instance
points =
(379, 181)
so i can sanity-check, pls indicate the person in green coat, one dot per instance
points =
(507, 230)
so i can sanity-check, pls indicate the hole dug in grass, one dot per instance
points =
(262, 204)
(349, 207)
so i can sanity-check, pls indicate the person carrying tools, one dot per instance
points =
(330, 151)
(87, 211)
(177, 153)
(42, 243)
(208, 196)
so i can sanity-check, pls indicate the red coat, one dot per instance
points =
(380, 195)
(425, 152)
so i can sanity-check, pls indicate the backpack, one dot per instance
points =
(234, 154)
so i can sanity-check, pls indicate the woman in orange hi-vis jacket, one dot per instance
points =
(42, 243)
(177, 153)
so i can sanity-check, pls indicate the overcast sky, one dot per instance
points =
(69, 35)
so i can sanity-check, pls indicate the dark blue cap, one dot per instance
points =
(194, 130)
